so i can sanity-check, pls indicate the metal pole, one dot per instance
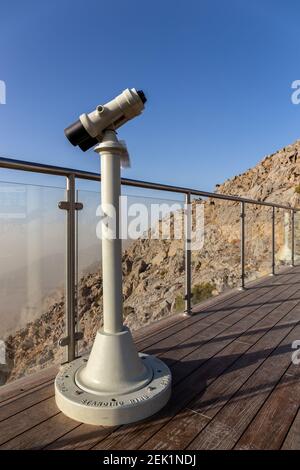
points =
(188, 266)
(78, 333)
(273, 241)
(293, 238)
(242, 226)
(71, 206)
(114, 367)
(70, 271)
(111, 245)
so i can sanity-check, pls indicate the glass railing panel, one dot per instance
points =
(297, 237)
(283, 238)
(32, 278)
(258, 241)
(152, 260)
(215, 257)
(89, 249)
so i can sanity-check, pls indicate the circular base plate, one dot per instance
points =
(109, 410)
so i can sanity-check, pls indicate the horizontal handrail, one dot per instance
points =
(12, 164)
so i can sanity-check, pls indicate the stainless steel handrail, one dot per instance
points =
(61, 171)
(71, 285)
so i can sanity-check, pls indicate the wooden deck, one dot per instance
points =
(234, 384)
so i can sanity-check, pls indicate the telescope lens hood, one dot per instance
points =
(142, 96)
(77, 135)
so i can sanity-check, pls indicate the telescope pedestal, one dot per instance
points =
(114, 385)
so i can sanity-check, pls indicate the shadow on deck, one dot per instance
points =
(234, 383)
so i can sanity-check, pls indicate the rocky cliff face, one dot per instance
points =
(273, 179)
(153, 270)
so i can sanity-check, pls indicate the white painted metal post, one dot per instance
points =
(70, 272)
(111, 246)
(116, 384)
(273, 241)
(71, 206)
(293, 238)
(188, 266)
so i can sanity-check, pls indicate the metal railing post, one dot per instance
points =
(188, 266)
(293, 238)
(273, 241)
(242, 227)
(71, 206)
(78, 333)
(70, 270)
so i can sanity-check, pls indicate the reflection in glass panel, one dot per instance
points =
(283, 237)
(297, 237)
(258, 241)
(216, 262)
(152, 261)
(32, 278)
(89, 269)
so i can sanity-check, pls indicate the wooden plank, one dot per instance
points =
(46, 430)
(230, 304)
(230, 295)
(153, 328)
(230, 423)
(27, 401)
(241, 319)
(38, 436)
(135, 435)
(215, 389)
(83, 437)
(178, 429)
(61, 443)
(21, 386)
(292, 440)
(236, 293)
(190, 362)
(264, 343)
(18, 405)
(270, 426)
(21, 422)
(243, 306)
(78, 430)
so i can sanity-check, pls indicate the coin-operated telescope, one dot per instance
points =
(115, 384)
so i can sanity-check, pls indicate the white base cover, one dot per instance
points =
(109, 410)
(115, 385)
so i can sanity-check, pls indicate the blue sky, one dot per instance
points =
(217, 75)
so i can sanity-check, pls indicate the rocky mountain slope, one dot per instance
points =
(153, 270)
(273, 179)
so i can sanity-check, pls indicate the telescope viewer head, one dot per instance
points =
(89, 129)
